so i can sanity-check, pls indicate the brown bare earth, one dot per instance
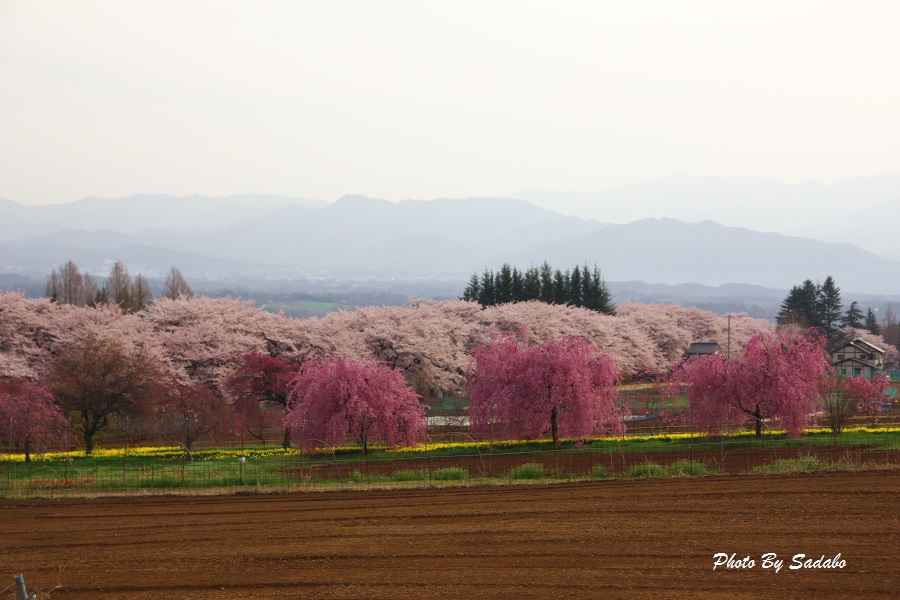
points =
(611, 539)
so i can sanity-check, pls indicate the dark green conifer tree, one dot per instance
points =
(518, 286)
(828, 306)
(546, 283)
(853, 317)
(579, 287)
(872, 323)
(488, 296)
(473, 290)
(575, 287)
(560, 293)
(601, 297)
(800, 307)
(504, 285)
(531, 284)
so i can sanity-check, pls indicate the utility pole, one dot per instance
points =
(728, 351)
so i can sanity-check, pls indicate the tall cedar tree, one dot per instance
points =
(800, 306)
(546, 291)
(531, 284)
(828, 306)
(487, 295)
(504, 285)
(473, 290)
(853, 317)
(812, 305)
(518, 288)
(871, 323)
(560, 288)
(575, 287)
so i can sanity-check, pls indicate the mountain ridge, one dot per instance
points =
(859, 210)
(452, 238)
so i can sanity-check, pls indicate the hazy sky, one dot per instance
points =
(426, 99)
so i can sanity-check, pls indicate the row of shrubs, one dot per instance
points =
(648, 470)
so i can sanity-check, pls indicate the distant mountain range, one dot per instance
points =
(138, 213)
(864, 211)
(267, 237)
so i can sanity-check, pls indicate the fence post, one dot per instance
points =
(20, 585)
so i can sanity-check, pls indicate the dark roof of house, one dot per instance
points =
(702, 348)
(855, 360)
(859, 344)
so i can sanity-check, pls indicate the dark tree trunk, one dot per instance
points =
(28, 451)
(554, 426)
(757, 415)
(286, 441)
(89, 427)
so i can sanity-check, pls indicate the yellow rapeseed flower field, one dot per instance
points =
(225, 454)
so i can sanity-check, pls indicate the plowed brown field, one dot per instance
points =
(618, 539)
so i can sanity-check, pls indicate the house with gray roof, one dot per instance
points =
(701, 349)
(856, 358)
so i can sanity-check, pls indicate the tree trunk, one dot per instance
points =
(286, 441)
(89, 427)
(365, 442)
(28, 451)
(554, 426)
(757, 415)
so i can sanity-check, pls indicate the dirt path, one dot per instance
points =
(620, 539)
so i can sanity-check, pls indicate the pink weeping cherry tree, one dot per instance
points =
(777, 378)
(561, 387)
(30, 419)
(337, 400)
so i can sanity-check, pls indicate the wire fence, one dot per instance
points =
(469, 465)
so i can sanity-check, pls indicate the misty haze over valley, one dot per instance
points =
(309, 256)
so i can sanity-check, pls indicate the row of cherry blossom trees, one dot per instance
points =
(189, 365)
